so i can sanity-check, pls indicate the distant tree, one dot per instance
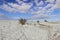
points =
(37, 21)
(45, 21)
(22, 21)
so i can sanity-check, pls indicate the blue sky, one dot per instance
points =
(30, 9)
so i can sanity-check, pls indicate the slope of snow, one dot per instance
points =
(12, 30)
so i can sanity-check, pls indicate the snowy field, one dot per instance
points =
(12, 30)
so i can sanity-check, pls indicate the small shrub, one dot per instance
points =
(45, 21)
(37, 21)
(22, 21)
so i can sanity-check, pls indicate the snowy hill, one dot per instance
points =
(12, 30)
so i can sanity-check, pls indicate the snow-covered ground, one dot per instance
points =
(12, 30)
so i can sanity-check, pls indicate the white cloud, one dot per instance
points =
(56, 6)
(51, 1)
(7, 8)
(44, 16)
(43, 12)
(20, 2)
(40, 3)
(24, 7)
(21, 8)
(39, 16)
